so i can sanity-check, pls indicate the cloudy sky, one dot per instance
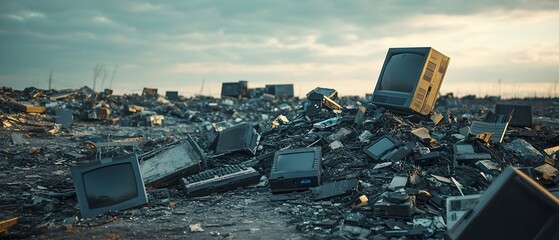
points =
(175, 45)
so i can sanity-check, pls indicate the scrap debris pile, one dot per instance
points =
(361, 171)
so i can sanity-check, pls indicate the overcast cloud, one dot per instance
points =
(339, 44)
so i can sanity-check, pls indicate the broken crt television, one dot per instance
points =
(513, 207)
(410, 79)
(296, 169)
(109, 185)
(239, 138)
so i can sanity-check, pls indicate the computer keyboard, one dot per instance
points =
(219, 180)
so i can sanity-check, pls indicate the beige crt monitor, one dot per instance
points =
(410, 79)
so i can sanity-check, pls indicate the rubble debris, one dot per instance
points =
(38, 187)
(28, 107)
(5, 225)
(394, 205)
(18, 139)
(64, 117)
(196, 227)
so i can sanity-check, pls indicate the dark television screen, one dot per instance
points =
(381, 146)
(400, 71)
(301, 161)
(110, 185)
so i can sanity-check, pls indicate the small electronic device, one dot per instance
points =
(109, 185)
(296, 169)
(465, 153)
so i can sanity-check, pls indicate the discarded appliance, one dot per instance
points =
(296, 169)
(324, 97)
(109, 185)
(242, 137)
(219, 180)
(410, 79)
(280, 90)
(149, 92)
(164, 166)
(172, 95)
(490, 218)
(521, 114)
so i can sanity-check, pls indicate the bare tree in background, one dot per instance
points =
(96, 72)
(105, 75)
(113, 76)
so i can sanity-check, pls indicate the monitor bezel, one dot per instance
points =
(376, 157)
(77, 176)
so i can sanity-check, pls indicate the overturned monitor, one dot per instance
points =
(296, 169)
(410, 79)
(521, 114)
(166, 165)
(239, 138)
(382, 147)
(109, 185)
(513, 207)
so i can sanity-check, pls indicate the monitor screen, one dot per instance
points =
(401, 72)
(110, 185)
(301, 161)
